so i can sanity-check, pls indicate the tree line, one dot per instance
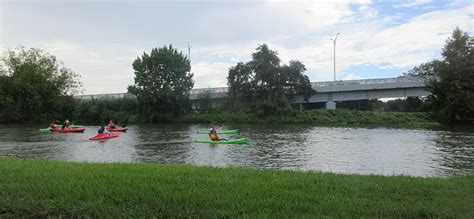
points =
(36, 87)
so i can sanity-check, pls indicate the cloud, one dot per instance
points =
(352, 77)
(104, 68)
(411, 3)
(208, 74)
(101, 40)
(379, 44)
(372, 43)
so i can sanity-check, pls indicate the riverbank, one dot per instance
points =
(35, 188)
(340, 117)
(319, 117)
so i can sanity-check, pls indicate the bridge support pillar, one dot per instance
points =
(330, 105)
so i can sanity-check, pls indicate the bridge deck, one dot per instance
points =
(325, 91)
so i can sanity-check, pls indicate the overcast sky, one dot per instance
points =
(100, 39)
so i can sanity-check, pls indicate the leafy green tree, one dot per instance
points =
(453, 85)
(409, 104)
(240, 82)
(163, 81)
(294, 80)
(451, 80)
(35, 86)
(424, 71)
(100, 111)
(265, 66)
(268, 86)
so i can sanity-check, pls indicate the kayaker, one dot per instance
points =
(53, 124)
(66, 124)
(103, 130)
(213, 133)
(111, 124)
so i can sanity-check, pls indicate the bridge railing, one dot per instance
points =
(325, 86)
(102, 96)
(367, 81)
(211, 90)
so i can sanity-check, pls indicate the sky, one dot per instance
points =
(100, 39)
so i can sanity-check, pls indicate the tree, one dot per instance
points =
(35, 86)
(424, 71)
(162, 83)
(451, 80)
(240, 83)
(295, 82)
(453, 86)
(265, 66)
(269, 87)
(409, 104)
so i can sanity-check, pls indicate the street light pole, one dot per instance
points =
(334, 41)
(189, 55)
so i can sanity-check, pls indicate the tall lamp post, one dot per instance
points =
(189, 55)
(334, 41)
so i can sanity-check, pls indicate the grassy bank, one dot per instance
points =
(38, 188)
(340, 117)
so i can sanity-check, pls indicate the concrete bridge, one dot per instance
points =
(326, 92)
(331, 91)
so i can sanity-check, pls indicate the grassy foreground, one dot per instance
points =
(55, 188)
(339, 117)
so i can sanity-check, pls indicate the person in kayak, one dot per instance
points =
(53, 124)
(66, 124)
(111, 125)
(103, 130)
(213, 134)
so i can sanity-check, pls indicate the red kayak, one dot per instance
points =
(118, 129)
(81, 130)
(105, 136)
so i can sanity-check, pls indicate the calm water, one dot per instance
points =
(384, 151)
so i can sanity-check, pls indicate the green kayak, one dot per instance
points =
(219, 131)
(227, 141)
(59, 126)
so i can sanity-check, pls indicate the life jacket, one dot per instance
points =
(213, 136)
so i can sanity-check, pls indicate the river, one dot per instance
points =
(386, 151)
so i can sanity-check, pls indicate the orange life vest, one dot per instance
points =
(213, 136)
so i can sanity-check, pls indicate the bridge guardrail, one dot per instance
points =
(367, 81)
(325, 86)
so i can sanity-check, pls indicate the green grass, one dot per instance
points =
(30, 188)
(340, 117)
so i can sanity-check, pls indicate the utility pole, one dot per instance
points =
(334, 41)
(189, 55)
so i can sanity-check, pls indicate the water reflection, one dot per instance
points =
(348, 150)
